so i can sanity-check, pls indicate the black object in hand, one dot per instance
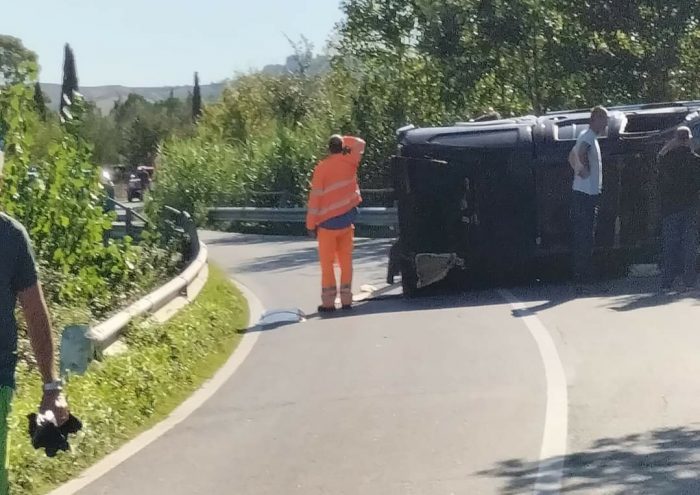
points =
(50, 437)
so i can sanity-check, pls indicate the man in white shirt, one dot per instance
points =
(587, 187)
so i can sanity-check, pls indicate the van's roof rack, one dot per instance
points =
(484, 123)
(637, 106)
(562, 112)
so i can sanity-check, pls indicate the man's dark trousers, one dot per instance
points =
(584, 209)
(680, 245)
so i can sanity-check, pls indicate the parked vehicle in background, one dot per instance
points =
(139, 183)
(108, 186)
(107, 182)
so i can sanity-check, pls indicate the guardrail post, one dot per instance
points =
(190, 229)
(129, 220)
(284, 200)
(77, 350)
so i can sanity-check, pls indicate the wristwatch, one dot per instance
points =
(55, 386)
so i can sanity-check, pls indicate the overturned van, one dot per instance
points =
(493, 196)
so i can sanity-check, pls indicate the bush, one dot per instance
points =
(265, 135)
(193, 174)
(122, 395)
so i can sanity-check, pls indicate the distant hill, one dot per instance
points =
(105, 96)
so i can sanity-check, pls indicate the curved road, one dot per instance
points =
(439, 395)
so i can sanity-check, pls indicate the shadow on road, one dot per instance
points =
(618, 295)
(621, 295)
(625, 294)
(663, 461)
(398, 304)
(225, 239)
(651, 300)
(366, 250)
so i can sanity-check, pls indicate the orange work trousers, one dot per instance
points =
(336, 245)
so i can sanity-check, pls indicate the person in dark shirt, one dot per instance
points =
(19, 282)
(679, 185)
(145, 179)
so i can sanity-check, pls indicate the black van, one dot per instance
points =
(492, 197)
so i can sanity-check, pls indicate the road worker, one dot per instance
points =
(331, 214)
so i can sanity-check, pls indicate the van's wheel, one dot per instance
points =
(409, 277)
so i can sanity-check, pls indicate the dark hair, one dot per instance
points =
(335, 145)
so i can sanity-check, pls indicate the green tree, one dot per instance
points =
(140, 126)
(686, 83)
(15, 60)
(45, 134)
(102, 133)
(538, 48)
(140, 141)
(637, 48)
(394, 83)
(303, 55)
(196, 99)
(39, 101)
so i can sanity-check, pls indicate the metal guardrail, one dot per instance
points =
(184, 223)
(130, 214)
(80, 344)
(376, 217)
(107, 332)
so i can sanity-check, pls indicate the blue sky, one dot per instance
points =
(162, 42)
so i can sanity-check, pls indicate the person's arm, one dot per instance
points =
(355, 148)
(355, 144)
(41, 338)
(31, 299)
(314, 205)
(695, 160)
(695, 146)
(583, 150)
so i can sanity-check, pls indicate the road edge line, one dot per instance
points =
(555, 434)
(182, 412)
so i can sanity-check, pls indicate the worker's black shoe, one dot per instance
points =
(326, 309)
(347, 307)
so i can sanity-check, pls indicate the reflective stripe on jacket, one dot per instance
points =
(334, 189)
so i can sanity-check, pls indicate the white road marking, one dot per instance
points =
(185, 409)
(553, 449)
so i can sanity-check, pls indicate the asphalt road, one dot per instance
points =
(467, 394)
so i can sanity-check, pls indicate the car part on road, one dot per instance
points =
(431, 268)
(278, 317)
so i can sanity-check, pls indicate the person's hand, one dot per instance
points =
(584, 172)
(56, 402)
(311, 233)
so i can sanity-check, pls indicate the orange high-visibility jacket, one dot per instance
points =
(334, 189)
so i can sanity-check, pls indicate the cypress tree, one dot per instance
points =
(196, 99)
(39, 101)
(70, 78)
